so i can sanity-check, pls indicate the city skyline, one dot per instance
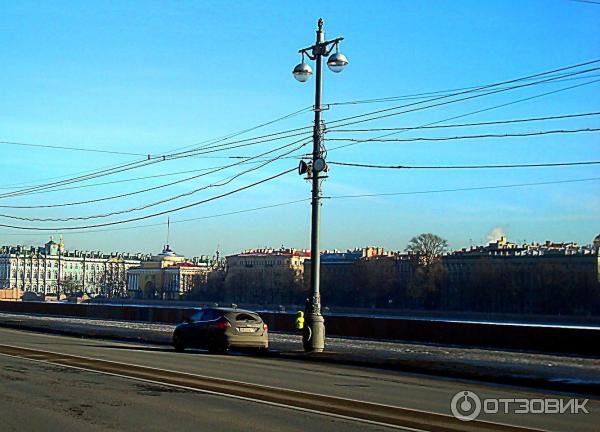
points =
(150, 79)
(494, 236)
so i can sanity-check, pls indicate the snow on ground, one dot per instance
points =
(133, 325)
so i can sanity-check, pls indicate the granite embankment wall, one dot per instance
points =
(543, 338)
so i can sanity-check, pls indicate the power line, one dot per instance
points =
(139, 164)
(529, 165)
(229, 146)
(155, 159)
(475, 124)
(122, 180)
(112, 197)
(234, 134)
(270, 206)
(100, 173)
(160, 158)
(434, 93)
(489, 123)
(461, 137)
(35, 183)
(212, 140)
(173, 210)
(84, 149)
(126, 180)
(81, 149)
(153, 204)
(516, 185)
(434, 191)
(473, 112)
(438, 104)
(483, 87)
(131, 179)
(587, 1)
(127, 167)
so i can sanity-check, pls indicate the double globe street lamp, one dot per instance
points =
(313, 335)
(336, 63)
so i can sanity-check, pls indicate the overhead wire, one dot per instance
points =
(551, 73)
(474, 188)
(425, 95)
(228, 145)
(493, 166)
(554, 71)
(26, 191)
(132, 179)
(172, 210)
(475, 124)
(330, 197)
(478, 111)
(152, 159)
(221, 183)
(80, 149)
(153, 188)
(234, 134)
(553, 78)
(478, 136)
(171, 222)
(438, 104)
(138, 164)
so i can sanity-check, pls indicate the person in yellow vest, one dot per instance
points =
(299, 324)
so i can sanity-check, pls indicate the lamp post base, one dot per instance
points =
(313, 336)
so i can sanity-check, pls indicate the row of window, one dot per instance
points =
(48, 289)
(53, 275)
(260, 262)
(69, 265)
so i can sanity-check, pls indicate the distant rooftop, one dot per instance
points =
(283, 252)
(503, 247)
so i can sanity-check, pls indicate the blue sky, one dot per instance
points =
(148, 77)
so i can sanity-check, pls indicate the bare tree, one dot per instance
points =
(70, 286)
(112, 283)
(428, 246)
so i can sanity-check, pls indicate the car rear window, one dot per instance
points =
(211, 315)
(197, 316)
(246, 317)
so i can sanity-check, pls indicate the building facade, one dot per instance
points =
(265, 275)
(365, 277)
(525, 258)
(52, 270)
(167, 276)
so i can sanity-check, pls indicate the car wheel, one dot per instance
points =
(178, 343)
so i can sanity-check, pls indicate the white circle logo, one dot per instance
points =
(465, 405)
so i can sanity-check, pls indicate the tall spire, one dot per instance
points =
(168, 229)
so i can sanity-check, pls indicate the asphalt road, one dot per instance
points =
(43, 395)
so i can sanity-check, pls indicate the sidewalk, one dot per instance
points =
(553, 372)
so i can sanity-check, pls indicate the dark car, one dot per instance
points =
(218, 329)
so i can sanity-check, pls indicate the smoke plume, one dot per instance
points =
(495, 234)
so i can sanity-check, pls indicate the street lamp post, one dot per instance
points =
(313, 336)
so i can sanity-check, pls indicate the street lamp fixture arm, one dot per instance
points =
(322, 48)
(307, 52)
